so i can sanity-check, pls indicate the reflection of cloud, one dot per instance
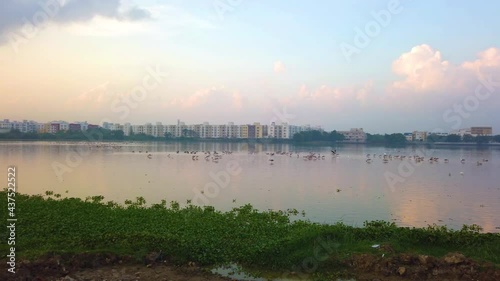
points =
(279, 67)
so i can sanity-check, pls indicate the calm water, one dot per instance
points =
(330, 189)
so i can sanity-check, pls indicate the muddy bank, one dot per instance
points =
(362, 267)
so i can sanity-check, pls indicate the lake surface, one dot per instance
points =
(329, 189)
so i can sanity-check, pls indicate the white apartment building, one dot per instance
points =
(279, 131)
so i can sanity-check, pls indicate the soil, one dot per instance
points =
(363, 267)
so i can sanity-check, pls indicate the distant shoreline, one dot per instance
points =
(272, 141)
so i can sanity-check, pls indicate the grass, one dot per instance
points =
(244, 235)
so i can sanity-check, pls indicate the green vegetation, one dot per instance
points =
(267, 240)
(315, 135)
(387, 139)
(469, 138)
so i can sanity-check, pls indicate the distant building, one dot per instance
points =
(408, 136)
(354, 135)
(481, 131)
(75, 127)
(419, 136)
(54, 128)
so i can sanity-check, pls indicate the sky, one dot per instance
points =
(384, 66)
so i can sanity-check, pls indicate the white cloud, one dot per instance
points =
(279, 67)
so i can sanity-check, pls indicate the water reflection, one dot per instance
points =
(330, 189)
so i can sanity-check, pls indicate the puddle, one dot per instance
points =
(235, 271)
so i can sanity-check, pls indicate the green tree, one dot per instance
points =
(375, 138)
(435, 138)
(468, 138)
(395, 139)
(496, 138)
(453, 138)
(483, 139)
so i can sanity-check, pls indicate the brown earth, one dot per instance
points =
(364, 267)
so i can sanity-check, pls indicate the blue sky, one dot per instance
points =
(254, 59)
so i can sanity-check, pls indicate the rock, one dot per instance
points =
(406, 259)
(401, 270)
(423, 259)
(454, 258)
(153, 257)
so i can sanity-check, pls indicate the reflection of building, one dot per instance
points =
(355, 134)
(481, 131)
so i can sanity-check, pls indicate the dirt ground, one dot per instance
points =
(87, 267)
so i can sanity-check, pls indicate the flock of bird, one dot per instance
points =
(215, 156)
(418, 159)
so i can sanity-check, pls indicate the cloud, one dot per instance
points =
(425, 71)
(423, 68)
(215, 98)
(432, 85)
(15, 14)
(279, 67)
(97, 97)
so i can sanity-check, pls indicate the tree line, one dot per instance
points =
(306, 136)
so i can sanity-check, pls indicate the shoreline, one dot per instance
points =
(266, 141)
(70, 233)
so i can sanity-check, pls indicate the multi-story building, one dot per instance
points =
(408, 136)
(258, 130)
(481, 131)
(243, 131)
(354, 135)
(233, 131)
(419, 136)
(54, 128)
(75, 127)
(461, 132)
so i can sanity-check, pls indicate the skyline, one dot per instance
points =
(420, 66)
(118, 126)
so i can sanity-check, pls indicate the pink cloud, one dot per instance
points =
(279, 67)
(429, 80)
(423, 68)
